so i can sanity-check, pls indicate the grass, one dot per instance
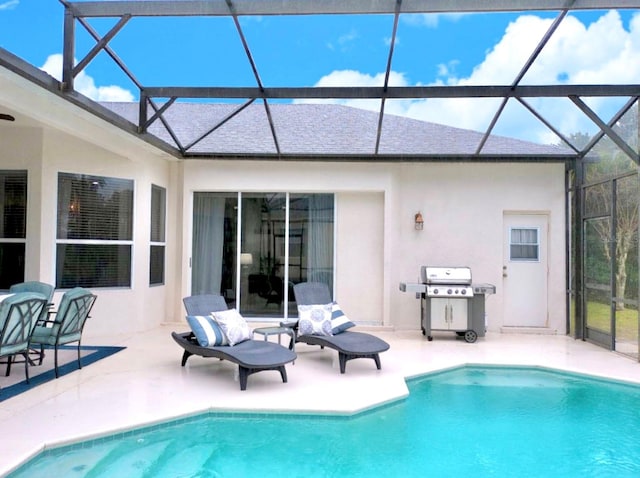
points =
(598, 316)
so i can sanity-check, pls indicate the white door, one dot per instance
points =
(525, 270)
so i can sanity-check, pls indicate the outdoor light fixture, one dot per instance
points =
(419, 222)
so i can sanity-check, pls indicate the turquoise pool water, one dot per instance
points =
(467, 422)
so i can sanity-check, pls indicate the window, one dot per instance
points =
(157, 239)
(13, 226)
(525, 244)
(95, 231)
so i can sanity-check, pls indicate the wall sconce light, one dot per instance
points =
(419, 222)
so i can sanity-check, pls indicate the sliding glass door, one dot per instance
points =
(262, 275)
(284, 239)
(214, 249)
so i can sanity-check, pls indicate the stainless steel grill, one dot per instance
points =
(450, 302)
(447, 281)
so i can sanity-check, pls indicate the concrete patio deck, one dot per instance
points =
(145, 383)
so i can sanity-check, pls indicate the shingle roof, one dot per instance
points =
(320, 129)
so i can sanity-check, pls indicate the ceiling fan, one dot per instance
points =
(6, 117)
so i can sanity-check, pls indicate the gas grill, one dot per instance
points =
(450, 302)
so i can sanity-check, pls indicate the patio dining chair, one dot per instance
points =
(18, 315)
(67, 323)
(39, 288)
(45, 290)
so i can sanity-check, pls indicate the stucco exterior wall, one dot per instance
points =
(49, 152)
(377, 245)
(463, 206)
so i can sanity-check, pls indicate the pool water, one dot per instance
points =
(466, 422)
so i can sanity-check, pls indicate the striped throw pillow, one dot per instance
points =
(206, 330)
(339, 321)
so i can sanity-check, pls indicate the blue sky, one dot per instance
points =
(589, 47)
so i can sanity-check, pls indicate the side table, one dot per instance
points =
(278, 330)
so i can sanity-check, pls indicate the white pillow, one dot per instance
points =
(314, 319)
(233, 325)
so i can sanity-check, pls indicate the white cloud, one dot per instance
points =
(431, 20)
(601, 52)
(356, 78)
(9, 5)
(387, 41)
(344, 41)
(85, 84)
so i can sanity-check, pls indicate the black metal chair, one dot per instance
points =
(37, 287)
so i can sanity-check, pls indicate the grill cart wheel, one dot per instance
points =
(429, 338)
(470, 336)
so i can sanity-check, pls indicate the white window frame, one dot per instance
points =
(100, 242)
(536, 244)
(163, 242)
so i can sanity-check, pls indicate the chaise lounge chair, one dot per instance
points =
(251, 356)
(350, 345)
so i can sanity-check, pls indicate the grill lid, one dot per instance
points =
(445, 275)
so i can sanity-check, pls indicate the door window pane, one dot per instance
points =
(262, 272)
(214, 246)
(525, 244)
(311, 238)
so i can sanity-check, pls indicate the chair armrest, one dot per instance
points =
(292, 324)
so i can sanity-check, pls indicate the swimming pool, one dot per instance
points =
(470, 421)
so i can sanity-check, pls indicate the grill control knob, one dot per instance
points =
(449, 291)
(435, 291)
(464, 291)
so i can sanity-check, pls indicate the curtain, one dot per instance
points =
(320, 242)
(208, 242)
